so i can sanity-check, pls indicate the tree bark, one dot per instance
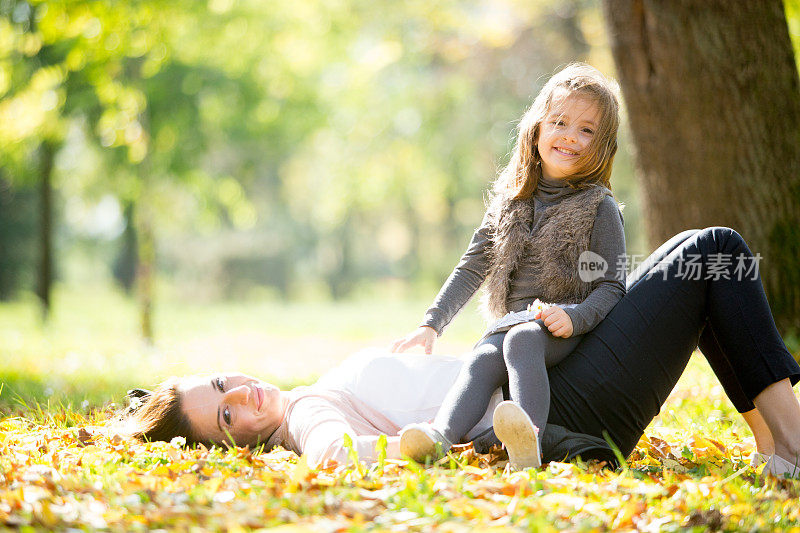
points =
(47, 153)
(340, 281)
(145, 270)
(713, 100)
(127, 259)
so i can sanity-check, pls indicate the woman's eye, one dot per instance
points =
(226, 416)
(221, 384)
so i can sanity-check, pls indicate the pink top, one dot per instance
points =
(316, 421)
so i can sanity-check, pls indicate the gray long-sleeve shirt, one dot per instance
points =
(607, 240)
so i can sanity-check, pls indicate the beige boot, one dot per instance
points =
(421, 442)
(516, 431)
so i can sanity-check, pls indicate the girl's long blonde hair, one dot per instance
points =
(520, 178)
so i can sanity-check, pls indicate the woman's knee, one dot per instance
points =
(722, 239)
(682, 236)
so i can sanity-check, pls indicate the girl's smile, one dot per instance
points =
(566, 132)
(565, 151)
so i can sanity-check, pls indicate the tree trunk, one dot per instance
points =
(127, 259)
(47, 153)
(145, 230)
(713, 99)
(341, 279)
(145, 269)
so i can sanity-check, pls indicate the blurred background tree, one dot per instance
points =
(250, 149)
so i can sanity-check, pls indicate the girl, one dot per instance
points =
(551, 212)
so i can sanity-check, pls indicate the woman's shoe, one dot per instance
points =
(423, 442)
(779, 467)
(516, 431)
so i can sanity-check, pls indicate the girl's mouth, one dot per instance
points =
(565, 151)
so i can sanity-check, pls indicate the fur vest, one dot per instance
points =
(552, 252)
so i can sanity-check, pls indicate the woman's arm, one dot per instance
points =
(318, 429)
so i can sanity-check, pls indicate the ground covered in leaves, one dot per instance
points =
(63, 470)
(62, 467)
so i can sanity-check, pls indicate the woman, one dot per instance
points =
(615, 381)
(369, 394)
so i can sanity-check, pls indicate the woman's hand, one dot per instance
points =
(423, 335)
(557, 321)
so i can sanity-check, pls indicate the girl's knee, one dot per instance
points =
(527, 339)
(525, 331)
(483, 355)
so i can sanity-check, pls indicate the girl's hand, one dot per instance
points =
(557, 321)
(423, 335)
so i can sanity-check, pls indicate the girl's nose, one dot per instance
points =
(240, 394)
(570, 135)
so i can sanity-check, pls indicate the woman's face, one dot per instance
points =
(243, 407)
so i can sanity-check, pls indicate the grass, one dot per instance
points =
(62, 465)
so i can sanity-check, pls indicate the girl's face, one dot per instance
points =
(566, 133)
(243, 407)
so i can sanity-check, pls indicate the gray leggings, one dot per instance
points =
(519, 357)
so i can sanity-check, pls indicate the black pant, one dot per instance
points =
(619, 376)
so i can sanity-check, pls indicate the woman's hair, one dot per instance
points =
(160, 417)
(520, 178)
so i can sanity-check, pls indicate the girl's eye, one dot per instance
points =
(226, 416)
(587, 130)
(221, 384)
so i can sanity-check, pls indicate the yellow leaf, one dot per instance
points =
(626, 514)
(464, 507)
(174, 454)
(181, 466)
(298, 475)
(474, 470)
(212, 485)
(162, 470)
(186, 481)
(45, 515)
(559, 499)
